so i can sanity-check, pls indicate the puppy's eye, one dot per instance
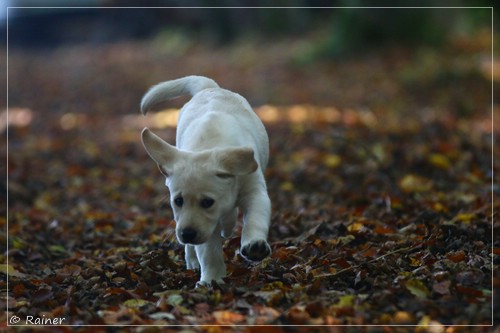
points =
(225, 175)
(179, 201)
(206, 203)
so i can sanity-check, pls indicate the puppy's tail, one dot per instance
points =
(189, 85)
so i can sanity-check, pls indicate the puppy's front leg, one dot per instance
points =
(211, 259)
(257, 215)
(228, 222)
(190, 256)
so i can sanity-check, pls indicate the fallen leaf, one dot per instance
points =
(10, 271)
(439, 161)
(287, 186)
(346, 301)
(265, 315)
(162, 316)
(465, 218)
(470, 277)
(298, 316)
(332, 161)
(174, 299)
(124, 316)
(417, 288)
(403, 318)
(456, 256)
(70, 270)
(228, 317)
(414, 183)
(41, 296)
(442, 288)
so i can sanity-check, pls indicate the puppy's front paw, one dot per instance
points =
(209, 285)
(203, 284)
(256, 250)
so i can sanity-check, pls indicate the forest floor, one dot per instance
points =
(380, 177)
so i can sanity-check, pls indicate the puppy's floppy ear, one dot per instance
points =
(237, 161)
(160, 151)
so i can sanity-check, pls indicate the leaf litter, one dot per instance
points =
(377, 220)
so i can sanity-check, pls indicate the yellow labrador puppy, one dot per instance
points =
(215, 169)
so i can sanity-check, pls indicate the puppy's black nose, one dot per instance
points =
(188, 235)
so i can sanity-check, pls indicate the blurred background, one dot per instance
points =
(349, 26)
(272, 55)
(77, 70)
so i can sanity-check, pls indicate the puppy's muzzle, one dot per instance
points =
(188, 235)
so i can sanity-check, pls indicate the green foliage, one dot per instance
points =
(351, 27)
(356, 29)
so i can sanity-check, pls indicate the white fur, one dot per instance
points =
(222, 151)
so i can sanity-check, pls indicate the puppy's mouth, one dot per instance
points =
(189, 236)
(190, 243)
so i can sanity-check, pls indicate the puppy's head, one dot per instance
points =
(203, 185)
